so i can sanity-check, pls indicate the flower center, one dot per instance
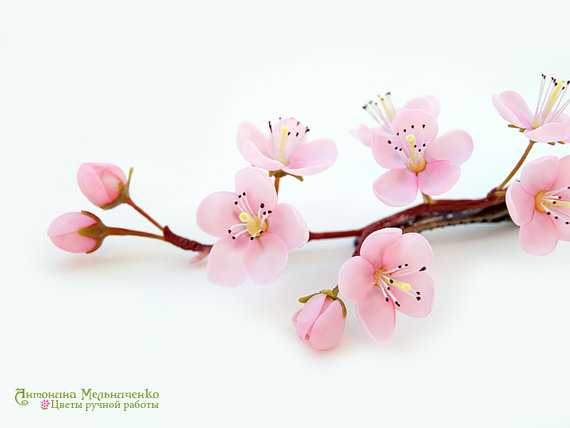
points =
(411, 149)
(253, 223)
(286, 136)
(553, 204)
(550, 101)
(386, 279)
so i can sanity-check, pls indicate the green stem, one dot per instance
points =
(517, 167)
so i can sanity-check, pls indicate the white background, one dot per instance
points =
(162, 86)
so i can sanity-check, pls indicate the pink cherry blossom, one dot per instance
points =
(104, 184)
(320, 323)
(65, 232)
(388, 274)
(286, 148)
(255, 232)
(417, 159)
(540, 204)
(384, 113)
(548, 123)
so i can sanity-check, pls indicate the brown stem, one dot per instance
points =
(184, 243)
(144, 214)
(277, 180)
(517, 167)
(129, 232)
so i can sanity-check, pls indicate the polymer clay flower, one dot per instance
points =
(320, 323)
(384, 113)
(417, 159)
(388, 274)
(104, 184)
(540, 204)
(77, 232)
(286, 148)
(255, 232)
(548, 123)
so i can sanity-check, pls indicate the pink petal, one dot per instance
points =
(513, 108)
(287, 223)
(63, 232)
(258, 188)
(548, 133)
(429, 104)
(100, 182)
(312, 157)
(356, 278)
(410, 305)
(438, 177)
(247, 131)
(539, 237)
(384, 150)
(376, 243)
(217, 212)
(252, 154)
(561, 226)
(563, 179)
(226, 261)
(307, 316)
(364, 134)
(328, 328)
(377, 315)
(540, 174)
(455, 146)
(413, 121)
(265, 258)
(520, 203)
(411, 249)
(397, 187)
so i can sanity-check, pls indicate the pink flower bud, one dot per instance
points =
(320, 323)
(104, 184)
(77, 232)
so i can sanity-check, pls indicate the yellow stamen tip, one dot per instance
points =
(244, 217)
(411, 138)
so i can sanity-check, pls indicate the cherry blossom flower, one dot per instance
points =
(286, 148)
(389, 274)
(540, 204)
(416, 159)
(384, 113)
(77, 232)
(255, 232)
(104, 184)
(548, 124)
(320, 323)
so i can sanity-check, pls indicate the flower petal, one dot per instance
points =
(539, 237)
(312, 157)
(327, 330)
(247, 131)
(377, 315)
(364, 134)
(438, 177)
(455, 146)
(265, 258)
(287, 223)
(252, 154)
(305, 318)
(416, 121)
(563, 178)
(520, 203)
(385, 150)
(540, 174)
(397, 187)
(429, 104)
(513, 108)
(217, 212)
(548, 133)
(226, 261)
(376, 243)
(411, 249)
(409, 304)
(356, 278)
(258, 188)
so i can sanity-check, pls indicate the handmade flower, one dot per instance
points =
(548, 124)
(389, 274)
(77, 232)
(384, 113)
(104, 184)
(320, 323)
(255, 232)
(540, 204)
(286, 148)
(417, 159)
